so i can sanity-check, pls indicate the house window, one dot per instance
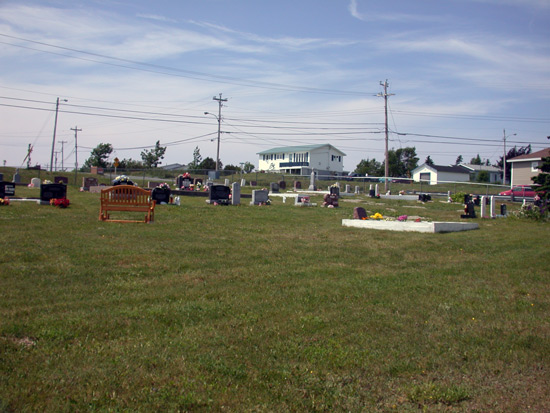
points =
(535, 166)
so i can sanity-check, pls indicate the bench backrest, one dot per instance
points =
(125, 194)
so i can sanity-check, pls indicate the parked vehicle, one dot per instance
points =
(520, 191)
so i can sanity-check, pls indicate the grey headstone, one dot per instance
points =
(297, 185)
(235, 193)
(16, 177)
(35, 182)
(227, 183)
(259, 196)
(312, 186)
(348, 188)
(274, 187)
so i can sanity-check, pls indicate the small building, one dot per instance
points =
(494, 173)
(524, 167)
(434, 174)
(324, 159)
(173, 167)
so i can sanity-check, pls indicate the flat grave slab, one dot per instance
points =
(429, 227)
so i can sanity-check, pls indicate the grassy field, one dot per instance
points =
(270, 308)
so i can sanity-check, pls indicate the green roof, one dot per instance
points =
(300, 148)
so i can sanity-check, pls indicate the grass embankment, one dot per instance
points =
(271, 308)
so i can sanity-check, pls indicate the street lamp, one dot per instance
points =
(218, 118)
(504, 158)
(55, 130)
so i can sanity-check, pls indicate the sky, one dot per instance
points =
(465, 77)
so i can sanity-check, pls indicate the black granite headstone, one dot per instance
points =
(160, 195)
(219, 194)
(52, 191)
(6, 189)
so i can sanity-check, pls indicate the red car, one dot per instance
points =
(520, 191)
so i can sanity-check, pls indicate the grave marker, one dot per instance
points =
(52, 191)
(312, 186)
(88, 182)
(297, 185)
(219, 194)
(61, 180)
(274, 187)
(259, 196)
(36, 182)
(282, 185)
(7, 189)
(235, 193)
(359, 213)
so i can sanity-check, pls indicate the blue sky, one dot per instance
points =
(294, 72)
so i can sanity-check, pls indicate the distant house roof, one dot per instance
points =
(173, 166)
(479, 168)
(443, 168)
(300, 148)
(535, 156)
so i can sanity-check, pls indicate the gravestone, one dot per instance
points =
(492, 210)
(312, 186)
(301, 200)
(330, 200)
(424, 197)
(282, 185)
(376, 191)
(16, 177)
(348, 188)
(152, 184)
(1, 176)
(372, 193)
(467, 199)
(185, 183)
(35, 182)
(213, 175)
(88, 182)
(243, 183)
(61, 180)
(357, 190)
(297, 185)
(7, 189)
(334, 190)
(469, 210)
(235, 193)
(197, 181)
(259, 196)
(359, 213)
(219, 194)
(178, 181)
(161, 196)
(253, 183)
(227, 183)
(274, 187)
(52, 191)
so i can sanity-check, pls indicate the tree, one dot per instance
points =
(208, 163)
(402, 161)
(543, 178)
(151, 159)
(512, 153)
(483, 176)
(232, 168)
(476, 160)
(248, 167)
(369, 167)
(459, 160)
(429, 160)
(130, 164)
(197, 159)
(99, 156)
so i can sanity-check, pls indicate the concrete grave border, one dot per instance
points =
(429, 227)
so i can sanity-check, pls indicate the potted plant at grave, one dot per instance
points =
(161, 193)
(122, 180)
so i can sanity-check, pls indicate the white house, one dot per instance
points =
(439, 173)
(526, 166)
(494, 173)
(324, 159)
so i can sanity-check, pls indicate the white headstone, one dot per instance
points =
(227, 183)
(376, 191)
(482, 210)
(35, 182)
(312, 186)
(243, 182)
(493, 215)
(357, 190)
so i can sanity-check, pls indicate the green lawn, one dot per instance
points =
(270, 308)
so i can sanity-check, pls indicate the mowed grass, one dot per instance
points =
(270, 308)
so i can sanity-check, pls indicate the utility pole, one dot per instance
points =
(62, 153)
(76, 130)
(386, 163)
(55, 130)
(504, 157)
(220, 104)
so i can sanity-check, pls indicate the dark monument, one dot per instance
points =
(219, 194)
(52, 191)
(7, 189)
(359, 213)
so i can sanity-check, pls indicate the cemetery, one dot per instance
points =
(269, 303)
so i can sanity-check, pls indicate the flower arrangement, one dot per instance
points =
(122, 180)
(4, 201)
(60, 202)
(378, 215)
(164, 186)
(46, 182)
(402, 218)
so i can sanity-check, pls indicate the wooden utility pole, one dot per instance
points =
(220, 104)
(386, 163)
